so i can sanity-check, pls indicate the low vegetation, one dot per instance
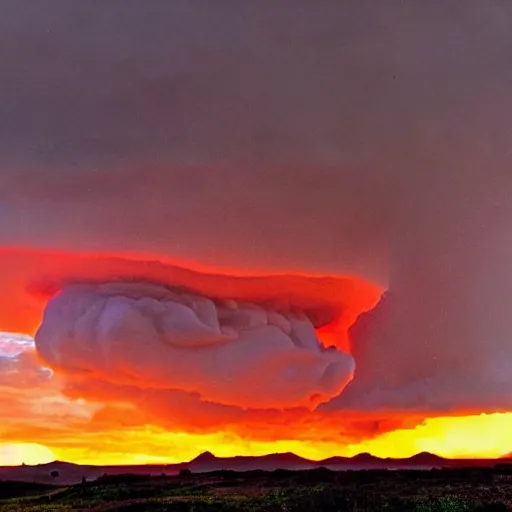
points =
(287, 491)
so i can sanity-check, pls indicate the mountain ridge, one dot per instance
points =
(70, 473)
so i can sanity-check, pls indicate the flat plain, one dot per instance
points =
(446, 490)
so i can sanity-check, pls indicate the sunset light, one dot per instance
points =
(242, 237)
(16, 454)
(447, 437)
(451, 437)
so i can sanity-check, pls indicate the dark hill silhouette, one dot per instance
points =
(209, 462)
(426, 458)
(70, 473)
(365, 458)
(203, 458)
(56, 464)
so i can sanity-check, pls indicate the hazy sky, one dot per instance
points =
(366, 141)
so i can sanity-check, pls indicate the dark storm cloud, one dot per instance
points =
(306, 130)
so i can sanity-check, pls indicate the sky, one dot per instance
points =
(258, 226)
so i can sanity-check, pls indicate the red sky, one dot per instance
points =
(90, 420)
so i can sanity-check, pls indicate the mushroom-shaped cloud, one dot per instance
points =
(235, 353)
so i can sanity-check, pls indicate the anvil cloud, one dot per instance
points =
(298, 158)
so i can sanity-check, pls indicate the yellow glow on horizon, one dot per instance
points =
(477, 436)
(16, 454)
(472, 436)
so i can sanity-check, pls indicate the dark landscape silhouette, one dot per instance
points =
(276, 482)
(70, 473)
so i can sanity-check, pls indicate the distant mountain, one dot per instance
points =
(204, 458)
(426, 458)
(209, 462)
(423, 460)
(360, 458)
(365, 457)
(69, 473)
(348, 463)
(58, 464)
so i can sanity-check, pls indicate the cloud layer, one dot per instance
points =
(214, 137)
(369, 141)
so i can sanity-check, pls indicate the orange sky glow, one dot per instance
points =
(448, 436)
(245, 228)
(44, 420)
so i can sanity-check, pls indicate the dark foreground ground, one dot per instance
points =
(300, 491)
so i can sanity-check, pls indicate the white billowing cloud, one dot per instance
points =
(31, 395)
(13, 344)
(229, 352)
